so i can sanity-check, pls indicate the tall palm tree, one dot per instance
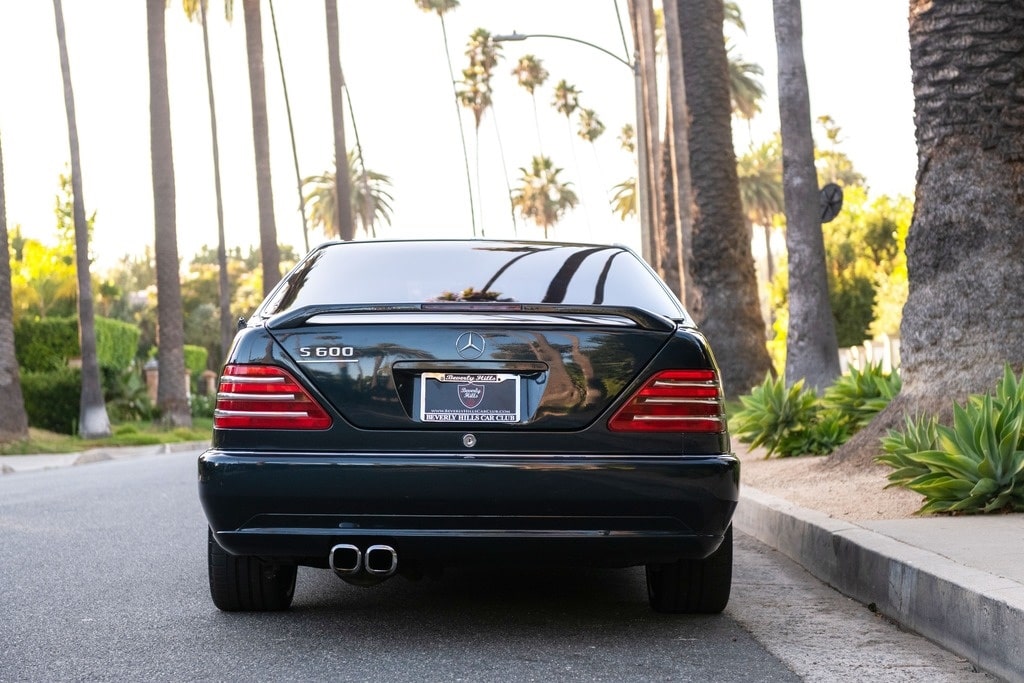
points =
(744, 87)
(542, 197)
(966, 239)
(346, 224)
(812, 350)
(724, 282)
(13, 419)
(590, 126)
(442, 7)
(172, 391)
(368, 193)
(475, 92)
(194, 9)
(93, 421)
(271, 254)
(642, 21)
(760, 177)
(530, 74)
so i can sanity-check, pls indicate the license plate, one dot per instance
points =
(469, 397)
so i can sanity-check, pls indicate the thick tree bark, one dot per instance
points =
(812, 352)
(13, 419)
(93, 421)
(269, 251)
(172, 394)
(963, 319)
(724, 300)
(343, 184)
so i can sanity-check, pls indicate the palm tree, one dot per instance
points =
(194, 8)
(746, 91)
(812, 350)
(269, 250)
(13, 419)
(345, 224)
(567, 99)
(541, 196)
(475, 92)
(642, 21)
(723, 281)
(441, 7)
(93, 421)
(531, 74)
(590, 127)
(368, 194)
(760, 177)
(962, 320)
(172, 391)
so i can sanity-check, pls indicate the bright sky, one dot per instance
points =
(393, 57)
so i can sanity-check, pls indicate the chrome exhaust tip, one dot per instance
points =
(345, 559)
(381, 560)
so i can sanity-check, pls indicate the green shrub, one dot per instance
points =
(47, 344)
(202, 406)
(859, 395)
(777, 417)
(195, 358)
(127, 398)
(52, 399)
(976, 465)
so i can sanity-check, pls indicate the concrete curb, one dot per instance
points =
(12, 464)
(970, 612)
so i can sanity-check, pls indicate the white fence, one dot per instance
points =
(884, 350)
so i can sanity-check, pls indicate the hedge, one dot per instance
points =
(52, 399)
(47, 344)
(195, 359)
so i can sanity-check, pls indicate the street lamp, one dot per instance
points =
(643, 182)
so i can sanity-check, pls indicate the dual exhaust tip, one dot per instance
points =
(349, 560)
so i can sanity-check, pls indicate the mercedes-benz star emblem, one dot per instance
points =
(470, 345)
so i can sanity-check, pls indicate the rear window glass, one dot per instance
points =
(433, 271)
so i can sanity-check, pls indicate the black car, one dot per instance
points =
(403, 406)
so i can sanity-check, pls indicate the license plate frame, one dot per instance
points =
(469, 397)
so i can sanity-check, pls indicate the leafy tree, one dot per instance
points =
(542, 197)
(13, 418)
(93, 421)
(723, 297)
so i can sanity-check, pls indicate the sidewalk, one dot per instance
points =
(958, 581)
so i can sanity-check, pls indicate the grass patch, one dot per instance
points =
(124, 434)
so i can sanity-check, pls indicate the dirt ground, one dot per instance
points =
(843, 493)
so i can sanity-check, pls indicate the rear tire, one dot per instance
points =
(693, 586)
(240, 583)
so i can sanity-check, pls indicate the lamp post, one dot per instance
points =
(643, 182)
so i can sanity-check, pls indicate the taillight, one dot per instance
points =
(265, 397)
(674, 401)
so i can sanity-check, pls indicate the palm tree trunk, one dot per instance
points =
(458, 116)
(92, 414)
(724, 300)
(13, 419)
(642, 19)
(271, 254)
(346, 223)
(227, 325)
(172, 393)
(812, 352)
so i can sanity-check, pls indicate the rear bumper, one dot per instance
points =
(608, 511)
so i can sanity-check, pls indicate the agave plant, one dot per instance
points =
(859, 395)
(975, 465)
(777, 417)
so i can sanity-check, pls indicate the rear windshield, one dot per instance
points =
(433, 271)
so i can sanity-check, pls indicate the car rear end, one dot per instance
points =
(403, 406)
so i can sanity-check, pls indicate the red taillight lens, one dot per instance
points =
(674, 401)
(265, 397)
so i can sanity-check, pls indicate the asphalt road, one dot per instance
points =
(103, 577)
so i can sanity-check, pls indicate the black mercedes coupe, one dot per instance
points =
(396, 407)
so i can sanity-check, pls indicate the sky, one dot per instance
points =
(405, 119)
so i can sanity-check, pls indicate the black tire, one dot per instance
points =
(240, 583)
(693, 586)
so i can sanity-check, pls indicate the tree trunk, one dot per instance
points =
(642, 20)
(343, 184)
(677, 127)
(724, 300)
(812, 352)
(172, 394)
(269, 251)
(13, 419)
(93, 421)
(227, 325)
(963, 319)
